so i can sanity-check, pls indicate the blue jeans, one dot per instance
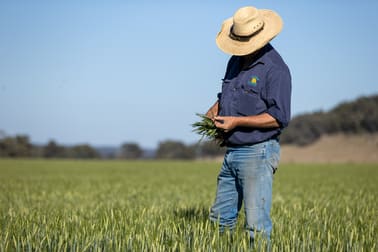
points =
(247, 174)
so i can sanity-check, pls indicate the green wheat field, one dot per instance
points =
(60, 205)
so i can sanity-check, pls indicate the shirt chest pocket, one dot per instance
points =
(250, 101)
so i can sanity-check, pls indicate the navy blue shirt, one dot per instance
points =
(263, 87)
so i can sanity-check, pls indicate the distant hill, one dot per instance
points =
(355, 117)
(336, 148)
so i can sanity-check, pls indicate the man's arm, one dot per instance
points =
(228, 123)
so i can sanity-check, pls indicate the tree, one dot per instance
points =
(18, 146)
(174, 150)
(53, 150)
(82, 151)
(209, 149)
(130, 151)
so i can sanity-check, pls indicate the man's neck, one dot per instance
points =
(247, 60)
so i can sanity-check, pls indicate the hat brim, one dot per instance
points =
(272, 27)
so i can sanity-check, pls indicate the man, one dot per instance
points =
(252, 110)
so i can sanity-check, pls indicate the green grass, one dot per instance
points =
(163, 206)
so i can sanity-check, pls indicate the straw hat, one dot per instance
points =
(248, 30)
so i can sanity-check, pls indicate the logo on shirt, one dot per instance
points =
(253, 81)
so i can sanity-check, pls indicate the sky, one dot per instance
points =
(110, 72)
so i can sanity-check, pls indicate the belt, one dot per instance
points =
(276, 138)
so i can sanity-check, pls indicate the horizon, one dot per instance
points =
(148, 150)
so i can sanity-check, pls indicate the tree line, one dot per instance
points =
(356, 117)
(19, 146)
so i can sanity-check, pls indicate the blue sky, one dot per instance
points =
(109, 72)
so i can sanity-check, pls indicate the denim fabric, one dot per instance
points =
(247, 175)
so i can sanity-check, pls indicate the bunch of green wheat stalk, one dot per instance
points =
(206, 128)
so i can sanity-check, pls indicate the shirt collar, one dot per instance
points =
(261, 57)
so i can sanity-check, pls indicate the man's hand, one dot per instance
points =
(226, 123)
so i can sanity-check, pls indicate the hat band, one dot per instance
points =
(233, 36)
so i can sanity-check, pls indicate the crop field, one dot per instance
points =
(61, 205)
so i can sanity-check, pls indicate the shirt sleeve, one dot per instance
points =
(279, 95)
